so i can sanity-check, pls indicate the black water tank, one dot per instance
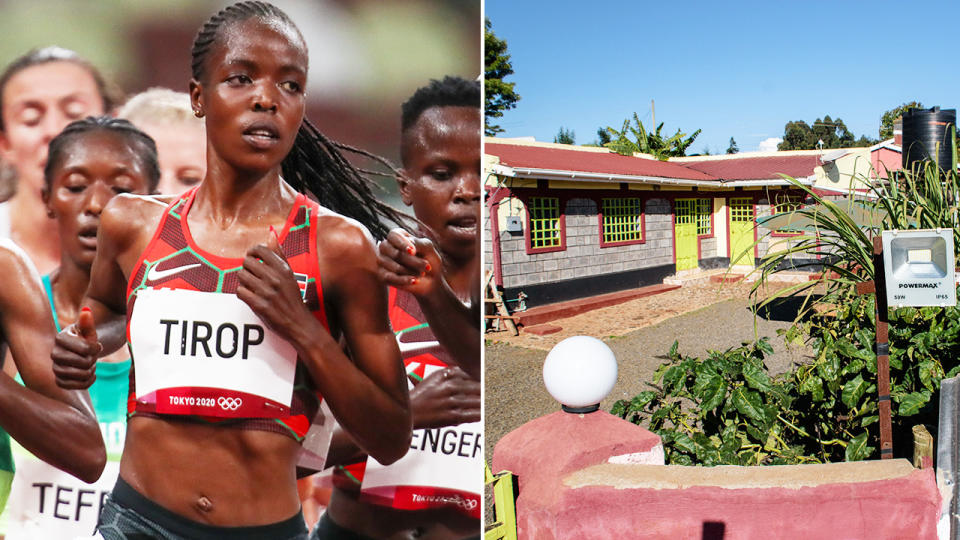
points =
(923, 130)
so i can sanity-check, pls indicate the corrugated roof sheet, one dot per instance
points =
(561, 159)
(757, 168)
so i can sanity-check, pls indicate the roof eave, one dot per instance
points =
(807, 181)
(553, 174)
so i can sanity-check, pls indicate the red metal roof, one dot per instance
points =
(757, 168)
(561, 159)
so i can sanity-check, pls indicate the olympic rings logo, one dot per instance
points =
(468, 504)
(229, 403)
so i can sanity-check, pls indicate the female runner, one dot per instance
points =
(310, 283)
(89, 162)
(167, 117)
(440, 148)
(40, 93)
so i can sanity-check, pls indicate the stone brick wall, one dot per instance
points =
(708, 248)
(763, 209)
(584, 257)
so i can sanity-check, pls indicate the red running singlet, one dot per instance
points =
(413, 332)
(172, 260)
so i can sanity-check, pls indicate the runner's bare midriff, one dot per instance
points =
(217, 475)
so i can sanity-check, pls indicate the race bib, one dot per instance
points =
(440, 469)
(46, 502)
(316, 444)
(209, 354)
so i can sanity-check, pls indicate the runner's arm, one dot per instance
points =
(447, 397)
(413, 264)
(75, 356)
(56, 425)
(367, 395)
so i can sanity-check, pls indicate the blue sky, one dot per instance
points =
(740, 69)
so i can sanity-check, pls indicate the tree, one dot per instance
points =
(564, 136)
(499, 95)
(823, 134)
(651, 142)
(732, 149)
(603, 136)
(886, 120)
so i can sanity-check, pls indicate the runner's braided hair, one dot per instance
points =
(315, 164)
(449, 92)
(141, 143)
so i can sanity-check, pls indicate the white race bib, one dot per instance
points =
(46, 502)
(208, 354)
(441, 469)
(316, 443)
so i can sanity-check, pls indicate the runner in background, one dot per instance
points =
(432, 492)
(189, 469)
(89, 162)
(57, 425)
(167, 117)
(40, 93)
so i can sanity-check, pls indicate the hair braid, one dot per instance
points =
(449, 92)
(240, 11)
(143, 145)
(315, 164)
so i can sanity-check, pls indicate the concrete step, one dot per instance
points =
(726, 278)
(561, 310)
(694, 277)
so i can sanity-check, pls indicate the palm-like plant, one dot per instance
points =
(927, 197)
(648, 142)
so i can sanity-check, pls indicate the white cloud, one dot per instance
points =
(769, 144)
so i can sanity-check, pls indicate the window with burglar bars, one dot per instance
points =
(544, 222)
(622, 221)
(741, 210)
(704, 211)
(786, 203)
(685, 211)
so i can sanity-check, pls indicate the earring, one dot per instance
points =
(198, 113)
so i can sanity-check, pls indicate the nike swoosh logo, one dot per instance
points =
(156, 274)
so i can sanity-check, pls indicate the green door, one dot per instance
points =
(741, 231)
(685, 233)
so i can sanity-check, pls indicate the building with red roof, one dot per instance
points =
(568, 221)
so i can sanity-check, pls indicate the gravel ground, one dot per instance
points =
(513, 382)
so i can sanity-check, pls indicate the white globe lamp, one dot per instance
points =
(579, 372)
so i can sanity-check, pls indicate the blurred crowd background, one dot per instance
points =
(366, 56)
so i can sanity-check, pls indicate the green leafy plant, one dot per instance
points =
(726, 409)
(723, 409)
(648, 142)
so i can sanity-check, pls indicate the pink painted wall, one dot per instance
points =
(547, 452)
(542, 451)
(884, 159)
(899, 508)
